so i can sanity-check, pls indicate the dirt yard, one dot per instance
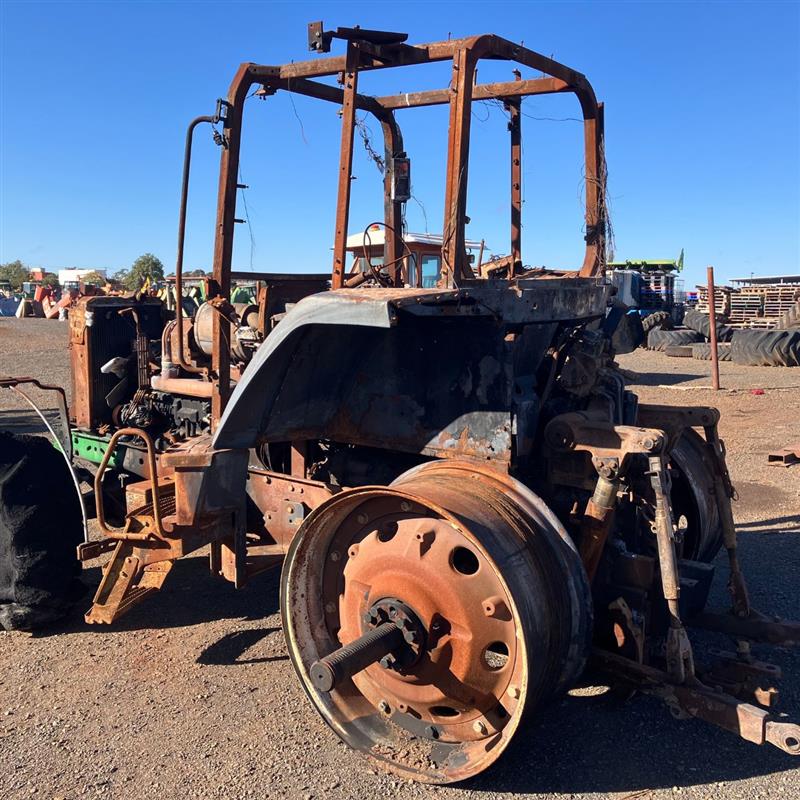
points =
(192, 693)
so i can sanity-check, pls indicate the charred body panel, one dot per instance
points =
(445, 374)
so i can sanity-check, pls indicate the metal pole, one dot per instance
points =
(350, 87)
(712, 318)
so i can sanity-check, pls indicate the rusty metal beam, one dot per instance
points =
(464, 61)
(515, 129)
(392, 209)
(223, 243)
(350, 85)
(322, 91)
(483, 91)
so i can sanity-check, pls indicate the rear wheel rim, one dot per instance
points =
(485, 660)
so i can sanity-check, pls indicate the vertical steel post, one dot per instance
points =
(350, 87)
(712, 318)
(593, 129)
(515, 127)
(392, 209)
(223, 243)
(455, 198)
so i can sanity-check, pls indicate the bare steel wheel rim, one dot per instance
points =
(442, 707)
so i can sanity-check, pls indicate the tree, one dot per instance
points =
(121, 276)
(94, 278)
(15, 272)
(146, 266)
(50, 279)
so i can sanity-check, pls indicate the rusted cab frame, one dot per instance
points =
(362, 56)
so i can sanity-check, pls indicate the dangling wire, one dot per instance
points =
(247, 217)
(365, 133)
(367, 245)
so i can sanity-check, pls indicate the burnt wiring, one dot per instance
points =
(603, 206)
(367, 244)
(366, 137)
(496, 103)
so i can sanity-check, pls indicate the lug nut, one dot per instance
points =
(384, 707)
(410, 637)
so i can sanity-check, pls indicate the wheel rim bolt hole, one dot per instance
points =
(496, 656)
(464, 561)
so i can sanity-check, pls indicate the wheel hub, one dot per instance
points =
(414, 634)
(425, 618)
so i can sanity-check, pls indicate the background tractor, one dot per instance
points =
(468, 503)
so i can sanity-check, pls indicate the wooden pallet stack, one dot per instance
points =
(757, 305)
(779, 298)
(722, 300)
(746, 304)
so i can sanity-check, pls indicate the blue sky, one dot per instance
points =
(702, 131)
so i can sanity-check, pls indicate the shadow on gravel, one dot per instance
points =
(596, 744)
(191, 596)
(659, 378)
(592, 744)
(228, 650)
(790, 524)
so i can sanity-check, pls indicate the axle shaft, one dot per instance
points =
(338, 666)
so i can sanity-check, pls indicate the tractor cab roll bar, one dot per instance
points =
(368, 51)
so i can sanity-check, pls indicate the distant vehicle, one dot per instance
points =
(651, 286)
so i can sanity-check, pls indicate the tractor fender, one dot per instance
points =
(407, 370)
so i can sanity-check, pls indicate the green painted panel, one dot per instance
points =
(92, 448)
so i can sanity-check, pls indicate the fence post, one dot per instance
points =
(712, 318)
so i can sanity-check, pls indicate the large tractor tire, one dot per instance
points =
(40, 527)
(659, 339)
(693, 498)
(702, 351)
(766, 348)
(628, 333)
(427, 619)
(701, 323)
(658, 319)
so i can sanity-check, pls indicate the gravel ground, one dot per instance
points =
(192, 693)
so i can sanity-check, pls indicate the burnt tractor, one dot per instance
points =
(468, 504)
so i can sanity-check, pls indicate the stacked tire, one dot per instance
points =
(778, 348)
(702, 351)
(658, 319)
(701, 323)
(659, 339)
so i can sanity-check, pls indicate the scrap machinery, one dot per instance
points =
(470, 507)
